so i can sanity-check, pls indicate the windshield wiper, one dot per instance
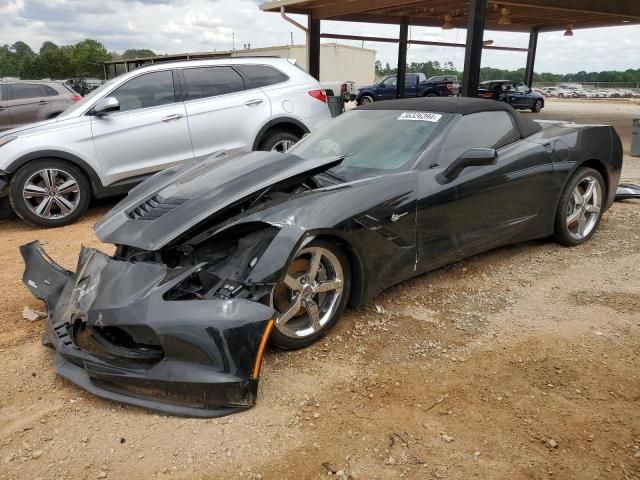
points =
(329, 173)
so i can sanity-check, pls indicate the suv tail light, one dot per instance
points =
(343, 89)
(319, 95)
(487, 94)
(450, 87)
(76, 98)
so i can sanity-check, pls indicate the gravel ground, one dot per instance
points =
(522, 363)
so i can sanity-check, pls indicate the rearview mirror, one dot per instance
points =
(106, 105)
(474, 157)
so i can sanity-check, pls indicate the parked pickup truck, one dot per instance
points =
(416, 85)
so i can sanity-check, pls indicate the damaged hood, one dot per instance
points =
(175, 200)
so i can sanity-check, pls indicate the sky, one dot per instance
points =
(179, 26)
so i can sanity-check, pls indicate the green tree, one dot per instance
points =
(88, 57)
(138, 53)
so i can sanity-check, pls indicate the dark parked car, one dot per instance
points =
(215, 257)
(416, 85)
(516, 94)
(32, 101)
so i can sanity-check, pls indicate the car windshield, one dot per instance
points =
(373, 141)
(84, 103)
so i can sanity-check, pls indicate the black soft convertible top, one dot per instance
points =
(459, 105)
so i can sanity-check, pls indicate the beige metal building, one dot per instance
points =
(338, 62)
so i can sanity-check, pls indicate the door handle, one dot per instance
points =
(169, 118)
(42, 102)
(2, 108)
(253, 103)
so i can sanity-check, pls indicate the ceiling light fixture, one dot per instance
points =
(569, 31)
(505, 19)
(447, 25)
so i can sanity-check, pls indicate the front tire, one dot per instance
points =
(312, 296)
(278, 141)
(580, 207)
(49, 193)
(537, 106)
(366, 99)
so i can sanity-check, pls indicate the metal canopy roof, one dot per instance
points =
(546, 15)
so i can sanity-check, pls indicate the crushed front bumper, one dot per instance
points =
(115, 336)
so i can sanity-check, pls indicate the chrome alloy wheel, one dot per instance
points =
(51, 193)
(282, 146)
(310, 294)
(583, 208)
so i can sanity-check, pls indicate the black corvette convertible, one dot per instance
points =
(217, 257)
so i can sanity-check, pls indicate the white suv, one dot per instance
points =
(148, 120)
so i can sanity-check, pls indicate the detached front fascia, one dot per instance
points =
(116, 336)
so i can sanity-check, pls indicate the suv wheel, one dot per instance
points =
(49, 193)
(278, 141)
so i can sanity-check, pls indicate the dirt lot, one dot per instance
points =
(523, 363)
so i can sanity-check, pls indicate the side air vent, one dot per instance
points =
(154, 208)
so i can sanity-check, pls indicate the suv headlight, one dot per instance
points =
(7, 139)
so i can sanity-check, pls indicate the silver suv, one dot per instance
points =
(148, 120)
(32, 101)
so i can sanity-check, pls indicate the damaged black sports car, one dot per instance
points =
(215, 258)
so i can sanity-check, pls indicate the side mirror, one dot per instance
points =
(474, 157)
(106, 105)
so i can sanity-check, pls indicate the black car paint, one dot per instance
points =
(215, 379)
(392, 227)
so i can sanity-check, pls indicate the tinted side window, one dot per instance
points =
(478, 130)
(390, 82)
(521, 87)
(257, 76)
(19, 91)
(50, 92)
(210, 82)
(149, 90)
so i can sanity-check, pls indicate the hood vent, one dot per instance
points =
(154, 208)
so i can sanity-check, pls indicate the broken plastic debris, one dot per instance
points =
(32, 315)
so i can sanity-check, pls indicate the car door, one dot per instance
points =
(222, 114)
(149, 132)
(485, 206)
(386, 89)
(411, 86)
(58, 103)
(509, 94)
(523, 95)
(5, 119)
(27, 103)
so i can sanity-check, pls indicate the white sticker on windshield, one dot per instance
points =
(420, 116)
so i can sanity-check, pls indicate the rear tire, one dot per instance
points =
(49, 193)
(310, 301)
(580, 207)
(278, 141)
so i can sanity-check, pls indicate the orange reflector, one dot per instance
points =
(261, 347)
